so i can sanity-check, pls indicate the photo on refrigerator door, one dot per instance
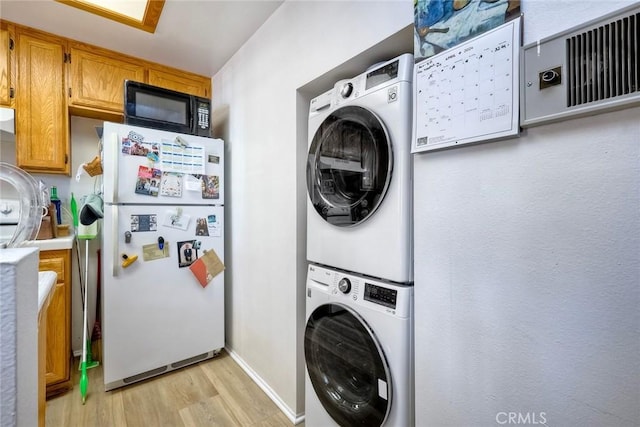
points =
(210, 186)
(144, 223)
(201, 227)
(148, 181)
(187, 253)
(134, 145)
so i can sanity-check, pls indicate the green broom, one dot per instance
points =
(91, 211)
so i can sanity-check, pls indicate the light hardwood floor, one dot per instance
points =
(216, 392)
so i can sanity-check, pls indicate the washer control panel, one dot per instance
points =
(363, 291)
(380, 295)
(344, 285)
(346, 90)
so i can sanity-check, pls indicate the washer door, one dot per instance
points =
(347, 367)
(349, 166)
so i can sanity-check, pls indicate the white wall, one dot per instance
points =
(527, 268)
(260, 114)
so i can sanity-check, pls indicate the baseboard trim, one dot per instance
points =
(293, 417)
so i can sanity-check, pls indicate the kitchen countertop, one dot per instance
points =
(65, 242)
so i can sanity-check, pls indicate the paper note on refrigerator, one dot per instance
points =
(208, 266)
(152, 251)
(176, 219)
(213, 225)
(192, 183)
(175, 157)
(171, 184)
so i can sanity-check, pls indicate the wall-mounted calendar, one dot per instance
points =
(469, 93)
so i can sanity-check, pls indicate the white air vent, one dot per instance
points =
(587, 70)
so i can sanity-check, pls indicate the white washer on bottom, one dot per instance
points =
(358, 346)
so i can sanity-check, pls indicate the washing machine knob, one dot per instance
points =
(346, 90)
(344, 285)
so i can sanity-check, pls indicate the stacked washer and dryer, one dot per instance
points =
(358, 340)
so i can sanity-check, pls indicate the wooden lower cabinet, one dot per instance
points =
(58, 322)
(42, 363)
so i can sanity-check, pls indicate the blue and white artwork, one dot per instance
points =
(442, 24)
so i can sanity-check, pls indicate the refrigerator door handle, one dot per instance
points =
(114, 236)
(116, 166)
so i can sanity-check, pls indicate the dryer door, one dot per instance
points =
(347, 366)
(349, 166)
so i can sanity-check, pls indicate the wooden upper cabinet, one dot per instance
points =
(97, 78)
(53, 77)
(42, 121)
(6, 63)
(192, 84)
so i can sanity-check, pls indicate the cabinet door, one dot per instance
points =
(58, 326)
(6, 59)
(97, 79)
(42, 122)
(180, 82)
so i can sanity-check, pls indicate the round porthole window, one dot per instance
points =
(347, 367)
(349, 166)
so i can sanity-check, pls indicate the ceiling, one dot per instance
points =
(193, 35)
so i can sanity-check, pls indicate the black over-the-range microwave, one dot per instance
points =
(164, 109)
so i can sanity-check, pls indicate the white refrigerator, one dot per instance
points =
(163, 208)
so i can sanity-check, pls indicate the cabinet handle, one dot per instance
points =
(12, 93)
(11, 44)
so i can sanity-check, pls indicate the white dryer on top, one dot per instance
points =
(359, 174)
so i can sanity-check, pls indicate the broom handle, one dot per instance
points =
(86, 290)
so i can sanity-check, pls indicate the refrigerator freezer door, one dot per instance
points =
(149, 166)
(155, 312)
